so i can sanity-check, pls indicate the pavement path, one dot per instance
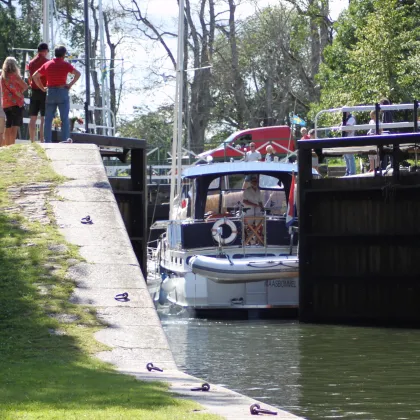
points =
(134, 331)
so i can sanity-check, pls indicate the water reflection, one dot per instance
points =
(318, 372)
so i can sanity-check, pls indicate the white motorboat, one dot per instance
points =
(226, 270)
(216, 255)
(207, 218)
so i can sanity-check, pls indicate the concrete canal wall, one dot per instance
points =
(134, 331)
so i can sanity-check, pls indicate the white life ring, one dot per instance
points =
(218, 238)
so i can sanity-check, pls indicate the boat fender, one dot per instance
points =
(215, 231)
(163, 295)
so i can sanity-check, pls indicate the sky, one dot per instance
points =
(166, 13)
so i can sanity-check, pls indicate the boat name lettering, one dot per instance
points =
(281, 283)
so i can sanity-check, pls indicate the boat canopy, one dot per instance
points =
(203, 176)
(227, 168)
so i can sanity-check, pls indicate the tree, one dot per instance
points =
(374, 54)
(19, 26)
(70, 12)
(274, 64)
(199, 34)
(155, 126)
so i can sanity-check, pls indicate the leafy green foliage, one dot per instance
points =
(375, 54)
(156, 127)
(274, 57)
(19, 27)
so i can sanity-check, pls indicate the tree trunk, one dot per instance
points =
(243, 115)
(113, 49)
(202, 47)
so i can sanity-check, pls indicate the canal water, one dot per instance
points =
(313, 371)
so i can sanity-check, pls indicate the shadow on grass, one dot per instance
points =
(42, 371)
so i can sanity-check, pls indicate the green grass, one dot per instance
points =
(47, 366)
(335, 161)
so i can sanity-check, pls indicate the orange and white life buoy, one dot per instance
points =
(218, 238)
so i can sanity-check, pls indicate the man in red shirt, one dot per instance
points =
(55, 72)
(37, 104)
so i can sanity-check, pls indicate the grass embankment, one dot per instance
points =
(46, 366)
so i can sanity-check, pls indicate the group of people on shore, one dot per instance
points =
(49, 90)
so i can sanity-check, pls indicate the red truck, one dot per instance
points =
(237, 144)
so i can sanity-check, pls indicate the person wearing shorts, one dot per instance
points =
(12, 86)
(56, 72)
(2, 121)
(37, 103)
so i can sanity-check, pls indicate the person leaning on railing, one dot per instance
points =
(373, 159)
(349, 157)
(315, 160)
(269, 157)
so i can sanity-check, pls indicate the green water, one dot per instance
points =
(316, 372)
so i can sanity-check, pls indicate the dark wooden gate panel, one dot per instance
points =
(359, 247)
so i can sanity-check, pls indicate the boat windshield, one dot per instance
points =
(226, 192)
(238, 182)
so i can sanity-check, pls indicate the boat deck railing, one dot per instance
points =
(242, 231)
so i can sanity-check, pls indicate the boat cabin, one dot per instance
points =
(213, 198)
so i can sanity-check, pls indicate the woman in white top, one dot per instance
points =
(269, 157)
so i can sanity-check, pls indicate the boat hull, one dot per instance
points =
(244, 270)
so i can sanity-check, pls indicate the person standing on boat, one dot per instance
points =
(252, 196)
(252, 155)
(37, 103)
(269, 157)
(349, 120)
(56, 72)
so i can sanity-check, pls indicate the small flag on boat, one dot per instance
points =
(298, 121)
(291, 205)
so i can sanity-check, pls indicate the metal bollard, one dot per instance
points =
(204, 387)
(150, 367)
(121, 296)
(255, 410)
